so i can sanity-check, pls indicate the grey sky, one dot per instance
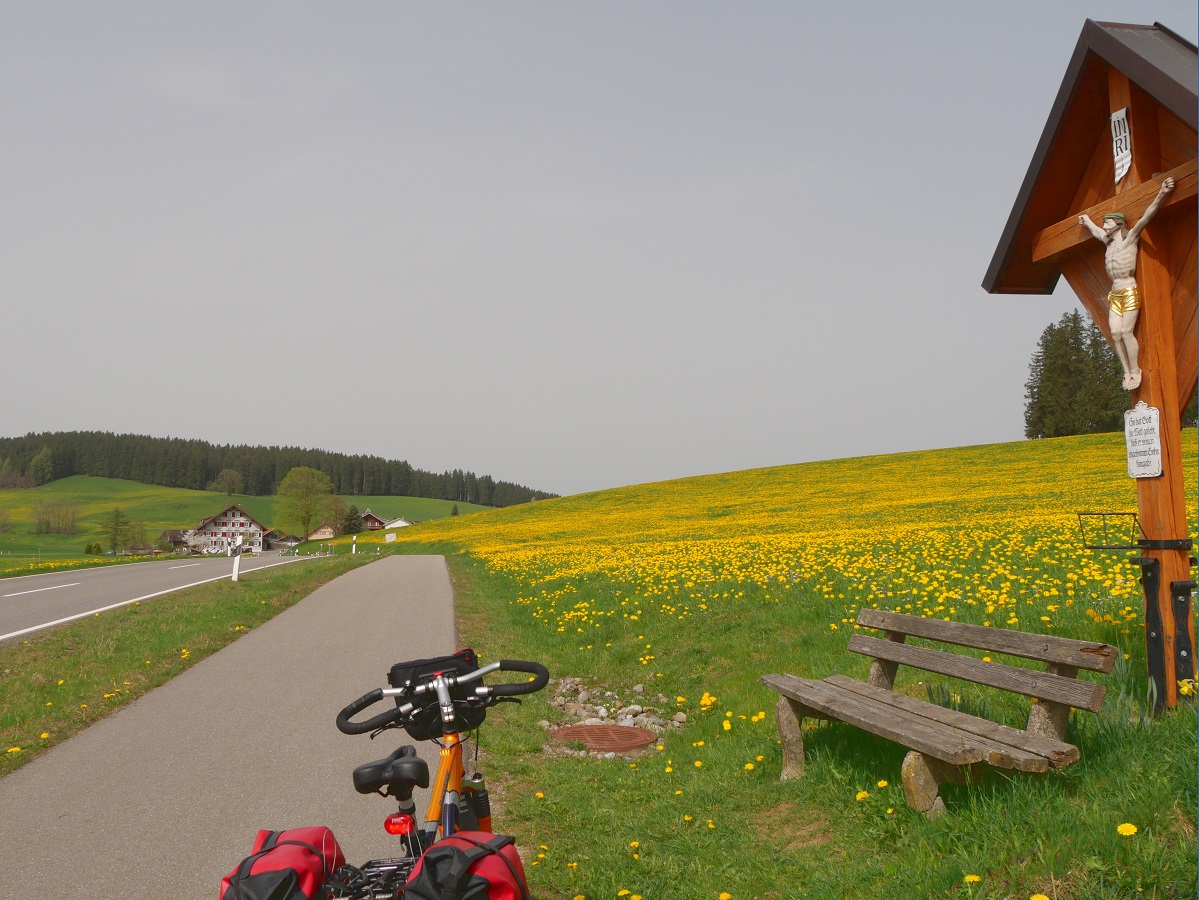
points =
(569, 245)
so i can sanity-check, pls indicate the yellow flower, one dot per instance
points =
(1038, 897)
(634, 844)
(1127, 829)
(861, 795)
(727, 725)
(725, 895)
(687, 818)
(749, 767)
(13, 750)
(623, 892)
(45, 734)
(698, 764)
(971, 879)
(882, 783)
(539, 795)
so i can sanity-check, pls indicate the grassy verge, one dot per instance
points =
(706, 815)
(58, 682)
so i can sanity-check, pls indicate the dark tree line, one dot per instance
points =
(174, 462)
(1074, 382)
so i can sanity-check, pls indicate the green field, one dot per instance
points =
(159, 507)
(682, 594)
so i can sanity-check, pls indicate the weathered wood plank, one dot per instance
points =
(1058, 753)
(1042, 685)
(952, 745)
(1068, 234)
(1063, 651)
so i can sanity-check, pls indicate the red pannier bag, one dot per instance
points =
(469, 865)
(285, 865)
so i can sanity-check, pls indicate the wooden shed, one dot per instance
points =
(1146, 76)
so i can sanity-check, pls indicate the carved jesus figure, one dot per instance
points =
(1120, 260)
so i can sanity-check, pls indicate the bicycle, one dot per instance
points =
(434, 701)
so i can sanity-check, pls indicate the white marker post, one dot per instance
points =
(354, 546)
(237, 558)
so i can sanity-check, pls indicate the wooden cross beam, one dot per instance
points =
(1068, 234)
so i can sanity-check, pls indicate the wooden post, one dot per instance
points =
(1161, 501)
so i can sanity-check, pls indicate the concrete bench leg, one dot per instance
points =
(789, 716)
(922, 780)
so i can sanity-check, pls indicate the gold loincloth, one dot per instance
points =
(1125, 300)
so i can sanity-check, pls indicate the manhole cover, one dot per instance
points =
(607, 738)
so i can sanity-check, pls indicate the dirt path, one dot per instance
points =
(163, 798)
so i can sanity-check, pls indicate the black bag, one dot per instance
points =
(426, 722)
(469, 865)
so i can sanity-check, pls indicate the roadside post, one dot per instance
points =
(237, 558)
(354, 545)
(1119, 150)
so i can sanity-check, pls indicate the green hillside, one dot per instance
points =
(158, 507)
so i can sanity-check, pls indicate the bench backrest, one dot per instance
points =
(1064, 657)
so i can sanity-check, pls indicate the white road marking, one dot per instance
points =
(184, 566)
(94, 612)
(36, 590)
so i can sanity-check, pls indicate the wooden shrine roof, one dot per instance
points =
(1158, 61)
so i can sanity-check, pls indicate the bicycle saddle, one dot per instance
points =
(398, 773)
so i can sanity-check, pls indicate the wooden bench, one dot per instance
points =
(945, 742)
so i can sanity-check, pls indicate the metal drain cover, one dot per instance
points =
(606, 738)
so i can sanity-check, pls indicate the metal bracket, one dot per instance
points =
(1154, 639)
(1180, 606)
(1106, 525)
(1167, 544)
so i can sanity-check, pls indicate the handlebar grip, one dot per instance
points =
(528, 687)
(345, 726)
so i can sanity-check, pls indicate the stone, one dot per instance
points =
(544, 725)
(922, 779)
(601, 712)
(679, 718)
(638, 688)
(584, 696)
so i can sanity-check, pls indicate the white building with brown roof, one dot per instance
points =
(222, 530)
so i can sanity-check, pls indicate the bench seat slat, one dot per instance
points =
(1042, 685)
(1047, 648)
(1057, 753)
(945, 742)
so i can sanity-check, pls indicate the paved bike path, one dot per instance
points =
(163, 798)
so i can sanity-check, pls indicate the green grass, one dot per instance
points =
(1053, 834)
(160, 508)
(58, 682)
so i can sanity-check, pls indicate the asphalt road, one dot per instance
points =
(31, 602)
(163, 798)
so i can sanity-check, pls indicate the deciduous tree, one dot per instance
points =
(303, 493)
(229, 482)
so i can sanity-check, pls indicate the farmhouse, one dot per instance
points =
(324, 533)
(371, 522)
(396, 523)
(223, 530)
(176, 537)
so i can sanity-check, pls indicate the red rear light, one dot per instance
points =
(399, 823)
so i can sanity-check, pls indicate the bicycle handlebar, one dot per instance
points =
(540, 673)
(345, 726)
(541, 679)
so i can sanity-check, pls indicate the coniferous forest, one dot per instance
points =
(175, 462)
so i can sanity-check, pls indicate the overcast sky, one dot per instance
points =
(570, 245)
